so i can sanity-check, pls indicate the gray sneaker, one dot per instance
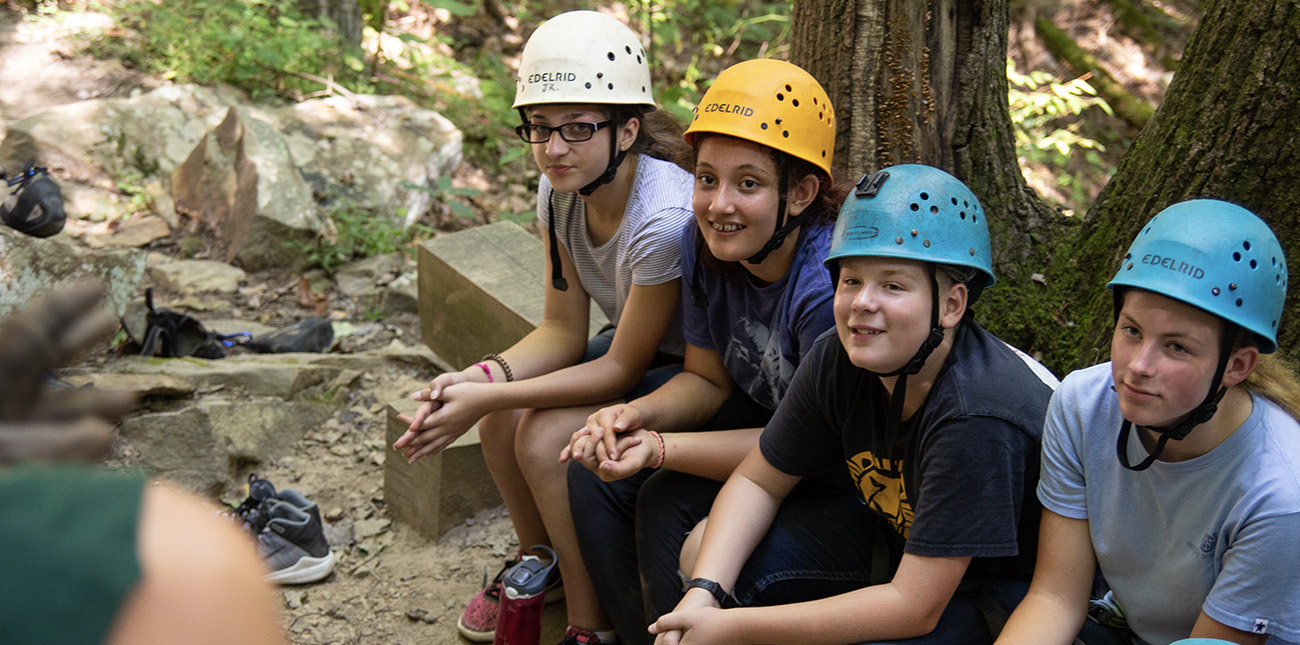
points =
(293, 541)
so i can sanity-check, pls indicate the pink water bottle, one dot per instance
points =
(519, 619)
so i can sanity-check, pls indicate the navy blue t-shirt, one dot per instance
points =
(760, 331)
(970, 455)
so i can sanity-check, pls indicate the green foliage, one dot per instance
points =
(1046, 116)
(264, 47)
(449, 196)
(692, 40)
(351, 233)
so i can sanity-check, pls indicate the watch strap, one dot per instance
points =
(724, 599)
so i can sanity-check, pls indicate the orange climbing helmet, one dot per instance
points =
(772, 103)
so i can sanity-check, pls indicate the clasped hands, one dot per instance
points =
(613, 444)
(450, 406)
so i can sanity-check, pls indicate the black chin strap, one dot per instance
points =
(783, 226)
(557, 270)
(898, 398)
(616, 158)
(1200, 414)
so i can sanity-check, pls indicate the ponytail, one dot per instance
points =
(1275, 379)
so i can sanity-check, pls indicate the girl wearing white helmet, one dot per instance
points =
(934, 419)
(756, 298)
(612, 209)
(1175, 467)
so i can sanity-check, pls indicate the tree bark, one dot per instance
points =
(1228, 128)
(345, 14)
(925, 82)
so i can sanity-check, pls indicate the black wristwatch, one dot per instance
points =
(724, 599)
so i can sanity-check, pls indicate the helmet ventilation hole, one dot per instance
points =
(1253, 264)
(972, 252)
(898, 240)
(1246, 245)
(763, 125)
(916, 207)
(1238, 302)
(785, 133)
(925, 196)
(588, 85)
(1236, 257)
(934, 210)
(780, 96)
(610, 86)
(962, 214)
(788, 88)
(610, 55)
(794, 102)
(1232, 286)
(914, 232)
(627, 49)
(926, 243)
(1215, 291)
(954, 201)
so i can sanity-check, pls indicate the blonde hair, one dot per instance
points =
(1274, 378)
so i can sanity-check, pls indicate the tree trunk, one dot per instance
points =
(1228, 128)
(345, 14)
(925, 82)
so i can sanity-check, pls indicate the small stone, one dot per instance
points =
(334, 514)
(294, 598)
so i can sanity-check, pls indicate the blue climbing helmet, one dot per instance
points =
(915, 212)
(1215, 256)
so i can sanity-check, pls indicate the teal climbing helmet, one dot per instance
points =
(914, 212)
(1215, 256)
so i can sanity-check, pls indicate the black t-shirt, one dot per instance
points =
(970, 456)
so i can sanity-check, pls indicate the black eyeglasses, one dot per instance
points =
(572, 132)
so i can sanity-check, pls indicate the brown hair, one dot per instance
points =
(660, 134)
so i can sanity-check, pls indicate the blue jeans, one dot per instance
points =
(604, 514)
(819, 545)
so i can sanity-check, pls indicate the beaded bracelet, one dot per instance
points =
(502, 362)
(486, 370)
(659, 462)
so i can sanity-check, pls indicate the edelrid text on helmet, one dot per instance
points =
(914, 212)
(1215, 256)
(771, 103)
(583, 57)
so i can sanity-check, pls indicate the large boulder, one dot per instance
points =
(32, 267)
(97, 142)
(241, 184)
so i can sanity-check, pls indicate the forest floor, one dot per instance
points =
(394, 586)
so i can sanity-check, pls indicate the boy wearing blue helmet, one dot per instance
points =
(1175, 468)
(938, 423)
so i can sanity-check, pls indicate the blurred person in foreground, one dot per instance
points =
(92, 555)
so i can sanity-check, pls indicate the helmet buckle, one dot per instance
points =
(870, 185)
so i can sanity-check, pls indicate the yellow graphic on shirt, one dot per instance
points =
(882, 486)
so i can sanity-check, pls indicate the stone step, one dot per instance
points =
(436, 493)
(481, 291)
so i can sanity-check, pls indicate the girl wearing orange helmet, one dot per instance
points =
(755, 299)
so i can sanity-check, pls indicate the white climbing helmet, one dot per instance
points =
(583, 57)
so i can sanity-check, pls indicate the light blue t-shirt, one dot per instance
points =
(760, 331)
(1219, 533)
